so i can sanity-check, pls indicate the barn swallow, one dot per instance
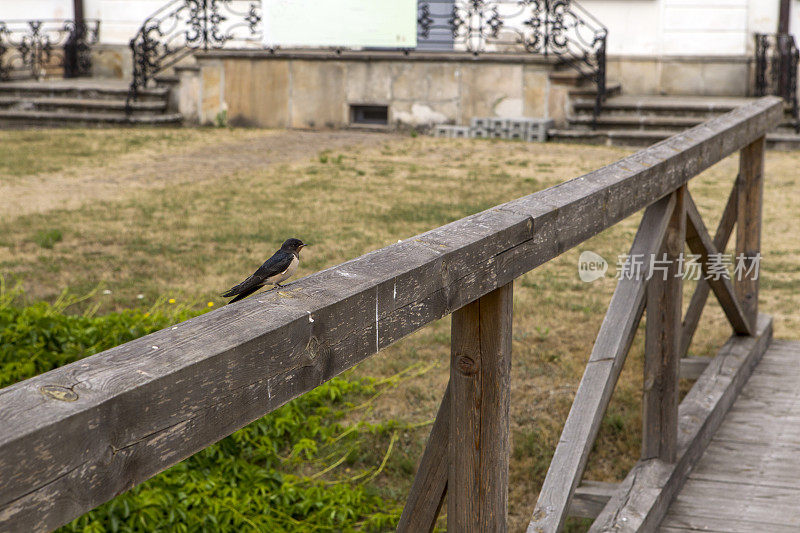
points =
(279, 267)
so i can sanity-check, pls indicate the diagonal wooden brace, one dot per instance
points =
(700, 243)
(700, 295)
(600, 377)
(430, 484)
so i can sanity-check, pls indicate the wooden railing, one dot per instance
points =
(77, 436)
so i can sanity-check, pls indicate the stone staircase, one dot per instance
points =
(643, 120)
(81, 103)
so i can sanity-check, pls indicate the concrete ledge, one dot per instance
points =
(379, 55)
(683, 58)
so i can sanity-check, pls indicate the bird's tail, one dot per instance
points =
(239, 297)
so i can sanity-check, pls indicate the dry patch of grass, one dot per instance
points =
(194, 239)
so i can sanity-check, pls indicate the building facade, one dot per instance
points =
(651, 47)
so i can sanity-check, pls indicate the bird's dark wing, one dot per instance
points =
(271, 267)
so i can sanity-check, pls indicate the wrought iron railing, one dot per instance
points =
(180, 27)
(560, 28)
(39, 48)
(776, 69)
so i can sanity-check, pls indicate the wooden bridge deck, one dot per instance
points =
(748, 478)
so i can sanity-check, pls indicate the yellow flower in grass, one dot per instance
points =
(211, 304)
(172, 300)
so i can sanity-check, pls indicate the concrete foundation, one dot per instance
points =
(316, 89)
(682, 75)
(319, 88)
(111, 61)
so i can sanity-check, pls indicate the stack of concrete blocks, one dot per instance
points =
(448, 130)
(523, 129)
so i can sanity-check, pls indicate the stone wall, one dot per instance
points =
(315, 89)
(682, 75)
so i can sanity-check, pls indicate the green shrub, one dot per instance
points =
(314, 463)
(47, 238)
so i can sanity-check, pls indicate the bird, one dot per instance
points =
(281, 266)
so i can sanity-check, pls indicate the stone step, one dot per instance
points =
(24, 119)
(658, 122)
(703, 107)
(25, 103)
(101, 90)
(641, 138)
(588, 92)
(637, 138)
(636, 122)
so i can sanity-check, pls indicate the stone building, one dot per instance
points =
(507, 67)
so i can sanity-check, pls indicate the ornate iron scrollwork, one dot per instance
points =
(776, 69)
(182, 26)
(36, 48)
(561, 28)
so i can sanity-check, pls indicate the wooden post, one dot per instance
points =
(480, 369)
(77, 11)
(784, 9)
(748, 227)
(662, 343)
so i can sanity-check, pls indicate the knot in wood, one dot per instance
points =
(315, 349)
(57, 392)
(466, 365)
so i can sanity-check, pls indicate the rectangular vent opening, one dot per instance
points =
(373, 115)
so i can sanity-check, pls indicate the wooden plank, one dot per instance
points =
(753, 503)
(775, 430)
(700, 243)
(590, 498)
(761, 464)
(748, 226)
(644, 496)
(480, 380)
(600, 377)
(698, 301)
(110, 421)
(730, 524)
(662, 343)
(693, 367)
(430, 483)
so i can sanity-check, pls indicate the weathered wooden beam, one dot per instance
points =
(590, 498)
(644, 496)
(700, 243)
(662, 342)
(748, 225)
(109, 422)
(601, 374)
(693, 367)
(695, 310)
(430, 483)
(480, 385)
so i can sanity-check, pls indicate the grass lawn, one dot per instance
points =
(113, 210)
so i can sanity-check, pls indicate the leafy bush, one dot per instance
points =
(42, 336)
(315, 463)
(47, 238)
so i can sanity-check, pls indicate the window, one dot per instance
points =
(373, 115)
